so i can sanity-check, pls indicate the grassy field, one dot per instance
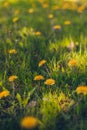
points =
(43, 65)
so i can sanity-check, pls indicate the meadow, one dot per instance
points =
(43, 65)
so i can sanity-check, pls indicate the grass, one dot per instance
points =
(32, 31)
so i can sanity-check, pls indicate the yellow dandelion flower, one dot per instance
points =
(57, 27)
(72, 63)
(41, 1)
(42, 62)
(49, 82)
(66, 6)
(81, 89)
(4, 93)
(81, 8)
(67, 22)
(15, 19)
(29, 122)
(16, 12)
(12, 78)
(39, 77)
(74, 6)
(38, 33)
(6, 4)
(31, 10)
(50, 16)
(45, 5)
(12, 51)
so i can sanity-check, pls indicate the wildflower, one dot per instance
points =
(49, 82)
(67, 22)
(45, 5)
(39, 77)
(12, 78)
(66, 6)
(72, 63)
(57, 27)
(81, 89)
(6, 4)
(16, 12)
(12, 51)
(31, 10)
(74, 6)
(38, 33)
(15, 19)
(42, 62)
(29, 122)
(50, 16)
(4, 93)
(81, 8)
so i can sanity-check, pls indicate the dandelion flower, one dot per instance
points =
(4, 93)
(39, 77)
(57, 27)
(12, 51)
(31, 10)
(50, 16)
(45, 5)
(42, 62)
(38, 33)
(72, 63)
(6, 4)
(29, 122)
(12, 78)
(15, 19)
(16, 12)
(67, 22)
(49, 82)
(66, 6)
(81, 8)
(81, 89)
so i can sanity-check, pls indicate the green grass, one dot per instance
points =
(58, 107)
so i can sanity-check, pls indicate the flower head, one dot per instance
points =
(67, 22)
(66, 6)
(72, 63)
(57, 27)
(81, 89)
(38, 33)
(45, 5)
(12, 78)
(49, 82)
(50, 16)
(42, 62)
(12, 51)
(29, 122)
(39, 77)
(15, 19)
(81, 8)
(6, 4)
(31, 10)
(4, 93)
(16, 12)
